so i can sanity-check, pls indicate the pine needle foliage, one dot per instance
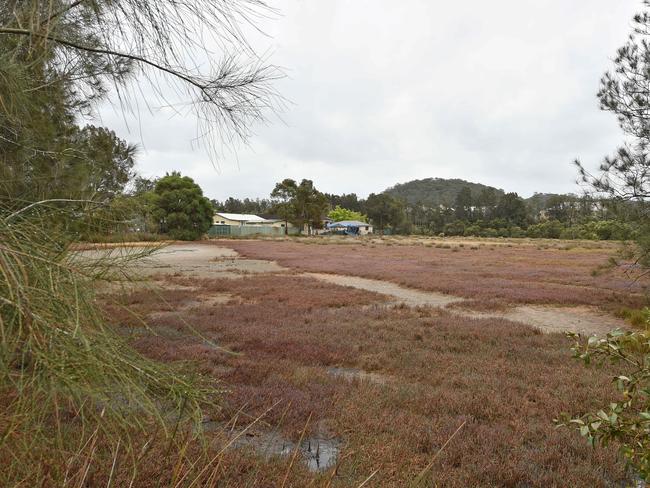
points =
(66, 377)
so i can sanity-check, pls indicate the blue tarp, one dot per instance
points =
(347, 224)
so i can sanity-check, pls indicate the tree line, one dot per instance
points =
(490, 213)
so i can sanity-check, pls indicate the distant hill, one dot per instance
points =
(436, 191)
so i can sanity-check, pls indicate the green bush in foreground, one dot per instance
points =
(627, 421)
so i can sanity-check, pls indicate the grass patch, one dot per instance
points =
(636, 317)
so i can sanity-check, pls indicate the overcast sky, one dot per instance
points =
(383, 92)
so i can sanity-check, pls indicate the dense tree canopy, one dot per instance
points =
(384, 210)
(339, 213)
(246, 206)
(180, 207)
(433, 192)
(302, 204)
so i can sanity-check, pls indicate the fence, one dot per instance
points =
(249, 230)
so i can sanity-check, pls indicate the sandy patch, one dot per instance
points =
(194, 260)
(355, 374)
(399, 294)
(582, 320)
(199, 301)
(548, 319)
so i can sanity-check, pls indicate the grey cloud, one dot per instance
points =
(382, 92)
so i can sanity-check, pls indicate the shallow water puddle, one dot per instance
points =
(318, 453)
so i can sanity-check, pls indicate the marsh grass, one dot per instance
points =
(77, 403)
(421, 373)
(520, 274)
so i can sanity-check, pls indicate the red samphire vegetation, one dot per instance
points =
(512, 274)
(428, 372)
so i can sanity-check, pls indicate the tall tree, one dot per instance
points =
(310, 205)
(385, 210)
(283, 196)
(301, 204)
(625, 92)
(102, 164)
(180, 207)
(463, 204)
(512, 208)
(625, 178)
(487, 201)
(346, 200)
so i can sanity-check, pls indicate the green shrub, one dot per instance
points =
(636, 317)
(455, 228)
(627, 421)
(551, 229)
(517, 231)
(489, 232)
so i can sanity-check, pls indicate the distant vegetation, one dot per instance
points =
(434, 192)
(436, 206)
(338, 214)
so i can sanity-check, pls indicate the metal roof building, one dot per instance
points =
(241, 218)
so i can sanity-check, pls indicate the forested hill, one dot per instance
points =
(437, 191)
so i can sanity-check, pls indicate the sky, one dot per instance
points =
(383, 92)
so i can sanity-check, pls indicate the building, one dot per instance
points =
(350, 227)
(232, 224)
(237, 219)
(276, 221)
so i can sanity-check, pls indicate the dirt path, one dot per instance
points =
(399, 294)
(208, 261)
(198, 260)
(584, 320)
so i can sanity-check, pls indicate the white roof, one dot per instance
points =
(241, 217)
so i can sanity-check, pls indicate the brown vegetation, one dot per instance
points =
(503, 382)
(508, 273)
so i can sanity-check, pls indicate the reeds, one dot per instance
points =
(75, 399)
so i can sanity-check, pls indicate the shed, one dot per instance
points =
(351, 227)
(221, 218)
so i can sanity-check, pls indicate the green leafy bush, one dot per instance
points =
(551, 229)
(339, 213)
(626, 421)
